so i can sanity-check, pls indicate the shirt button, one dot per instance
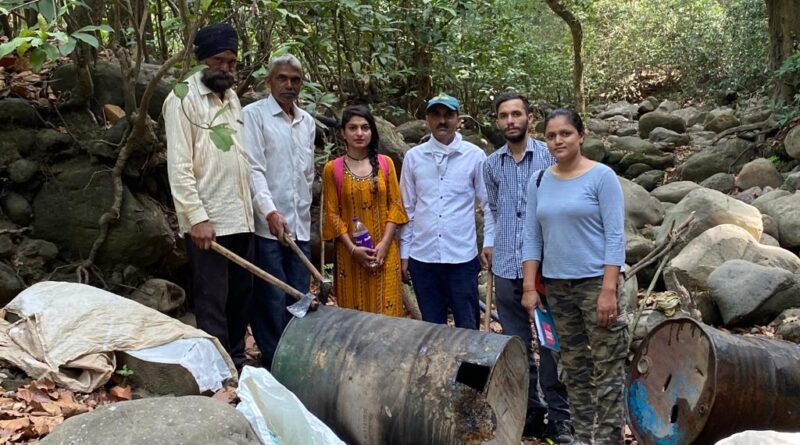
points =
(441, 197)
(440, 235)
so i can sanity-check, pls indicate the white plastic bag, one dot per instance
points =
(277, 415)
(762, 438)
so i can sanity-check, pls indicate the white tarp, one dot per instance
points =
(762, 438)
(276, 414)
(68, 333)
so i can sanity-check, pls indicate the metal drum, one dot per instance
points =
(384, 380)
(692, 384)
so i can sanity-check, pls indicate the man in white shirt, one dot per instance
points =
(279, 137)
(211, 190)
(440, 181)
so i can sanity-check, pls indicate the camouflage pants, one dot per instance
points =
(593, 359)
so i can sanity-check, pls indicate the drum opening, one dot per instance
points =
(473, 375)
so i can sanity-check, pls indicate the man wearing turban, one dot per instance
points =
(211, 189)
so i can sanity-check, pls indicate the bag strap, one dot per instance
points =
(539, 178)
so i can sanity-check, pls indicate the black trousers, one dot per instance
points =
(222, 292)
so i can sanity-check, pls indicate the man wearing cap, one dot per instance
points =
(279, 137)
(211, 189)
(440, 181)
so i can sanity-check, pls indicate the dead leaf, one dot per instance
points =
(45, 425)
(51, 408)
(226, 395)
(29, 394)
(120, 392)
(14, 424)
(73, 409)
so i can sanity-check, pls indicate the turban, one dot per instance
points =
(214, 39)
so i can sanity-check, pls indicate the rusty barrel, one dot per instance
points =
(384, 380)
(692, 384)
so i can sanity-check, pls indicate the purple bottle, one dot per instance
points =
(360, 234)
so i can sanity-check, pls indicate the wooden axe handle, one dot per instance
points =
(255, 270)
(304, 258)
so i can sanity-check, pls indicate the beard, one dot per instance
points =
(523, 133)
(216, 80)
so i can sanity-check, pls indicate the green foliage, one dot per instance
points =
(789, 72)
(45, 41)
(125, 373)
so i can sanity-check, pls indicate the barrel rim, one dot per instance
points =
(632, 371)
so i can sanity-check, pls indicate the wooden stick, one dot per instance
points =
(487, 315)
(303, 258)
(255, 270)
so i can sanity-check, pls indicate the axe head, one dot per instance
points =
(301, 308)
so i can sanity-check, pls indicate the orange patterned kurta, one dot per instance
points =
(356, 287)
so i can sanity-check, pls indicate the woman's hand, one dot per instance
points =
(531, 300)
(365, 256)
(381, 250)
(607, 308)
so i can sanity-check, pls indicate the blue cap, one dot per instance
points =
(443, 99)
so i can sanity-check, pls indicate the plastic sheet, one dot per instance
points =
(276, 415)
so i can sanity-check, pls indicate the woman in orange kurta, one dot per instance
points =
(366, 187)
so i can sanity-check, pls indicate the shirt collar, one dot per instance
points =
(530, 147)
(275, 109)
(453, 147)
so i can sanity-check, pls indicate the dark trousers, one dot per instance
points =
(516, 321)
(222, 292)
(270, 317)
(439, 286)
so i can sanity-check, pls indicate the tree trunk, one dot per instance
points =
(784, 37)
(576, 30)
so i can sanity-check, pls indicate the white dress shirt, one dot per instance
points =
(439, 197)
(207, 184)
(281, 152)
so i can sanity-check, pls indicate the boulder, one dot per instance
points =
(598, 127)
(791, 182)
(413, 131)
(631, 144)
(640, 208)
(786, 212)
(759, 173)
(720, 120)
(792, 142)
(645, 107)
(69, 206)
(14, 111)
(657, 160)
(189, 420)
(762, 201)
(787, 325)
(711, 208)
(691, 115)
(16, 208)
(649, 179)
(770, 226)
(651, 121)
(50, 141)
(768, 240)
(594, 149)
(669, 137)
(32, 257)
(748, 294)
(22, 170)
(626, 129)
(161, 295)
(637, 247)
(728, 156)
(6, 246)
(749, 195)
(674, 191)
(701, 138)
(481, 142)
(636, 169)
(622, 108)
(704, 254)
(10, 284)
(721, 182)
(392, 143)
(108, 85)
(668, 106)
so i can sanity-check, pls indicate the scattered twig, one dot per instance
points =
(766, 126)
(14, 231)
(660, 250)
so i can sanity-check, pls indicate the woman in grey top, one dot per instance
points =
(574, 220)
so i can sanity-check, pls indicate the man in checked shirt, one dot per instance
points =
(507, 173)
